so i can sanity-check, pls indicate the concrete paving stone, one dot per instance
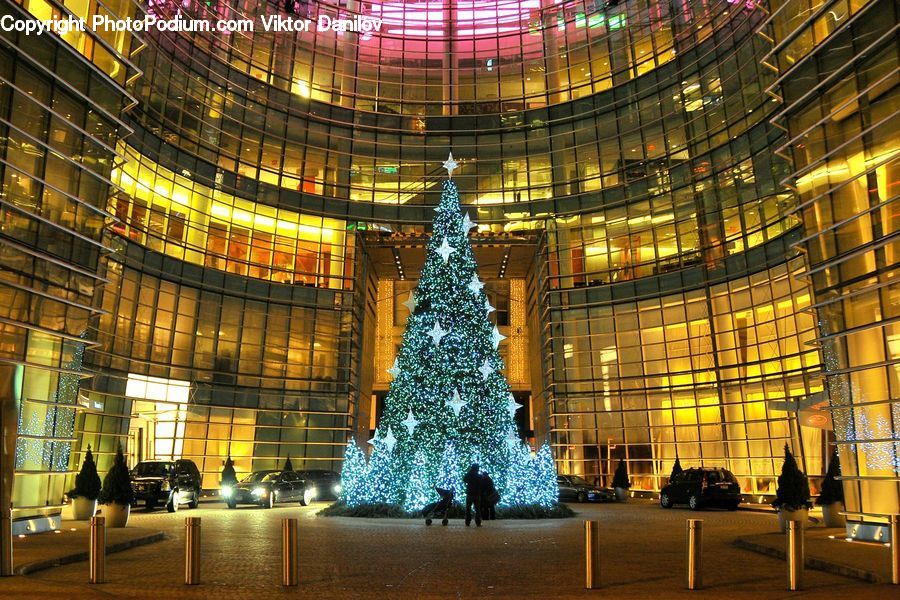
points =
(642, 557)
(70, 544)
(829, 550)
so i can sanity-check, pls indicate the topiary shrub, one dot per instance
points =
(87, 482)
(793, 486)
(117, 483)
(676, 469)
(229, 477)
(620, 479)
(832, 489)
(288, 466)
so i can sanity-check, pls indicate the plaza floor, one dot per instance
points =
(642, 557)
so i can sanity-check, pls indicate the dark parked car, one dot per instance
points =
(265, 488)
(327, 484)
(167, 482)
(573, 487)
(701, 487)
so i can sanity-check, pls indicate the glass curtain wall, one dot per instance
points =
(61, 105)
(837, 67)
(705, 375)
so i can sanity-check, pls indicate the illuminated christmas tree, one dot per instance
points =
(382, 485)
(447, 383)
(449, 475)
(353, 475)
(419, 490)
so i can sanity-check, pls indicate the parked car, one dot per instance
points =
(575, 488)
(167, 482)
(327, 484)
(699, 487)
(265, 488)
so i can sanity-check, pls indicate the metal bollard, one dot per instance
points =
(290, 553)
(592, 555)
(97, 554)
(693, 579)
(795, 555)
(6, 544)
(895, 549)
(192, 550)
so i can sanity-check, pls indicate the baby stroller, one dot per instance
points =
(440, 508)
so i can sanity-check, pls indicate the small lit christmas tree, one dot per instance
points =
(381, 481)
(546, 489)
(419, 490)
(520, 476)
(353, 475)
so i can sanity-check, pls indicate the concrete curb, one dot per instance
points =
(811, 562)
(41, 565)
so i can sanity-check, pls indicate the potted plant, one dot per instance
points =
(229, 480)
(87, 489)
(792, 495)
(621, 482)
(117, 495)
(831, 496)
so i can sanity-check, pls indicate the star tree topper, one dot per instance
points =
(451, 165)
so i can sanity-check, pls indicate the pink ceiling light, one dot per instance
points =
(471, 17)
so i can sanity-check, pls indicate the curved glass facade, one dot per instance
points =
(624, 138)
(61, 106)
(837, 82)
(640, 164)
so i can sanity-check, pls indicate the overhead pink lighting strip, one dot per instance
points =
(472, 17)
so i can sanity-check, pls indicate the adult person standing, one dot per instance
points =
(472, 480)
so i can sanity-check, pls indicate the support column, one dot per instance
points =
(450, 71)
(10, 400)
(551, 52)
(552, 65)
(349, 59)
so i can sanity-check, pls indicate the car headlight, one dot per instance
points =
(260, 491)
(337, 488)
(226, 491)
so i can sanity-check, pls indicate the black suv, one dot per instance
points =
(701, 487)
(168, 482)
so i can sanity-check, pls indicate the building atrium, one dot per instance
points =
(686, 213)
